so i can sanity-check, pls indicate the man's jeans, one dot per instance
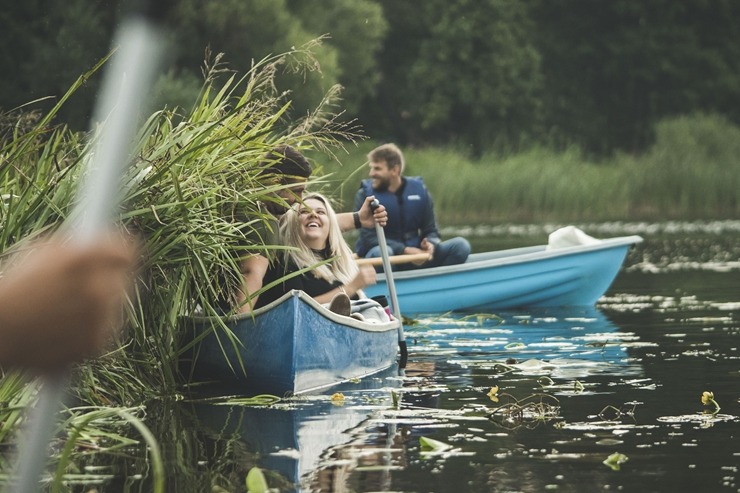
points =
(449, 252)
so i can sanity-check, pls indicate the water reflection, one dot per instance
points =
(289, 438)
(624, 378)
(315, 444)
(454, 362)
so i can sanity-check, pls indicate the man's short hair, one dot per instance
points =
(287, 164)
(390, 153)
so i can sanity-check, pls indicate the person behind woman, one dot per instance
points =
(311, 229)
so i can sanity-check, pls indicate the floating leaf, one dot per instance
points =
(337, 399)
(493, 393)
(545, 381)
(616, 460)
(256, 482)
(514, 345)
(432, 445)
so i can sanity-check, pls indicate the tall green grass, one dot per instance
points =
(193, 196)
(689, 173)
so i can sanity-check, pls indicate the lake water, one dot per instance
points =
(576, 387)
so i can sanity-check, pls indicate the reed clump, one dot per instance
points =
(193, 195)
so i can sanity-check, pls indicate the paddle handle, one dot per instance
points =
(124, 87)
(391, 286)
(394, 259)
(129, 77)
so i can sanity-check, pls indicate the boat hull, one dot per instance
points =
(516, 278)
(291, 346)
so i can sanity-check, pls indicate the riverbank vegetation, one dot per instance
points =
(193, 195)
(689, 173)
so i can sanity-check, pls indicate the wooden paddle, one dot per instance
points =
(129, 77)
(391, 288)
(394, 259)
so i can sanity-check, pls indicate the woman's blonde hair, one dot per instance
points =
(342, 268)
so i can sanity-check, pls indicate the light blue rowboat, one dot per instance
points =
(291, 346)
(534, 276)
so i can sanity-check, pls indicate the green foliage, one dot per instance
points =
(614, 69)
(615, 461)
(488, 75)
(192, 194)
(45, 46)
(492, 101)
(691, 171)
(251, 30)
(355, 29)
(431, 445)
(255, 481)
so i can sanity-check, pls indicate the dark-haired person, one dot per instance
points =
(61, 302)
(411, 227)
(291, 170)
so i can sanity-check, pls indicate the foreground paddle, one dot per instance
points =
(129, 77)
(391, 289)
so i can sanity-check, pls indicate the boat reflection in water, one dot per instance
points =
(290, 437)
(570, 341)
(320, 445)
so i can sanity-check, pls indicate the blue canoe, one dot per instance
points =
(535, 276)
(291, 346)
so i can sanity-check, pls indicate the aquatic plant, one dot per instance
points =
(192, 195)
(256, 482)
(707, 399)
(430, 446)
(528, 412)
(493, 394)
(615, 461)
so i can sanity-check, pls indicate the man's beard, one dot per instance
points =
(381, 185)
(276, 209)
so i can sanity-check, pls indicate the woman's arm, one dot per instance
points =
(253, 270)
(366, 216)
(365, 277)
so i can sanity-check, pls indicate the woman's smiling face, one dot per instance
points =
(314, 223)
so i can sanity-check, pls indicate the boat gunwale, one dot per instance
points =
(308, 300)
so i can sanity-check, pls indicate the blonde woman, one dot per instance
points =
(310, 227)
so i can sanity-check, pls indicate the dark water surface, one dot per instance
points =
(575, 385)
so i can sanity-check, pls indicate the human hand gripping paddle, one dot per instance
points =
(391, 288)
(126, 83)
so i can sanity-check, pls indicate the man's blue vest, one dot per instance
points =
(405, 211)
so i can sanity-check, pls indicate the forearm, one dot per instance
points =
(346, 221)
(253, 270)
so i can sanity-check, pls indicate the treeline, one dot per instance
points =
(482, 75)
